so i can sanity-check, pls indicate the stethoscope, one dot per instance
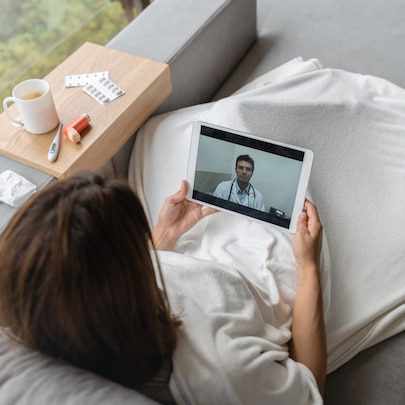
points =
(249, 188)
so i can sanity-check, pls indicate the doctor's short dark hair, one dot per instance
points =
(245, 158)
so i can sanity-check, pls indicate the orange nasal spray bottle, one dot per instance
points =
(73, 130)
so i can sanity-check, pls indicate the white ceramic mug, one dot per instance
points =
(35, 103)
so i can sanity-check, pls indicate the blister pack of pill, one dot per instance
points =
(84, 79)
(103, 90)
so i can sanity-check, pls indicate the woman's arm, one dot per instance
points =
(308, 342)
(176, 217)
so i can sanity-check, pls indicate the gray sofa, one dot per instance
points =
(213, 48)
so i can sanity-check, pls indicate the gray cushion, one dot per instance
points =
(374, 377)
(28, 377)
(201, 41)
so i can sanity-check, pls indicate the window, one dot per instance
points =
(37, 35)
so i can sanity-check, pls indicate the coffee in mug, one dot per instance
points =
(35, 104)
(31, 96)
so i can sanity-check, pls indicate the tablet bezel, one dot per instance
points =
(235, 137)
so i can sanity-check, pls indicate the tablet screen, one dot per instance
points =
(247, 175)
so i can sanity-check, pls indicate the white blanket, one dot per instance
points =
(356, 127)
(236, 325)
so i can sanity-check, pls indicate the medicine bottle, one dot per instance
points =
(73, 130)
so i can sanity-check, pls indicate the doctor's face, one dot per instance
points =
(244, 171)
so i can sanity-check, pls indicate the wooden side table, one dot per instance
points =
(146, 84)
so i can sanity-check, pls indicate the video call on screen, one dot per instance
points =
(276, 174)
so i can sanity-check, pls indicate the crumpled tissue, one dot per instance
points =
(15, 189)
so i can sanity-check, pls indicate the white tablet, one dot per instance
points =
(248, 175)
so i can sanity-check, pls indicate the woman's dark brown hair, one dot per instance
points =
(77, 280)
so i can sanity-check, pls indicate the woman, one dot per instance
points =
(78, 282)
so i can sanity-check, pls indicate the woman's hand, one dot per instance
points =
(176, 217)
(307, 241)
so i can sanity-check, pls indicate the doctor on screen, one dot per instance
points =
(240, 190)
